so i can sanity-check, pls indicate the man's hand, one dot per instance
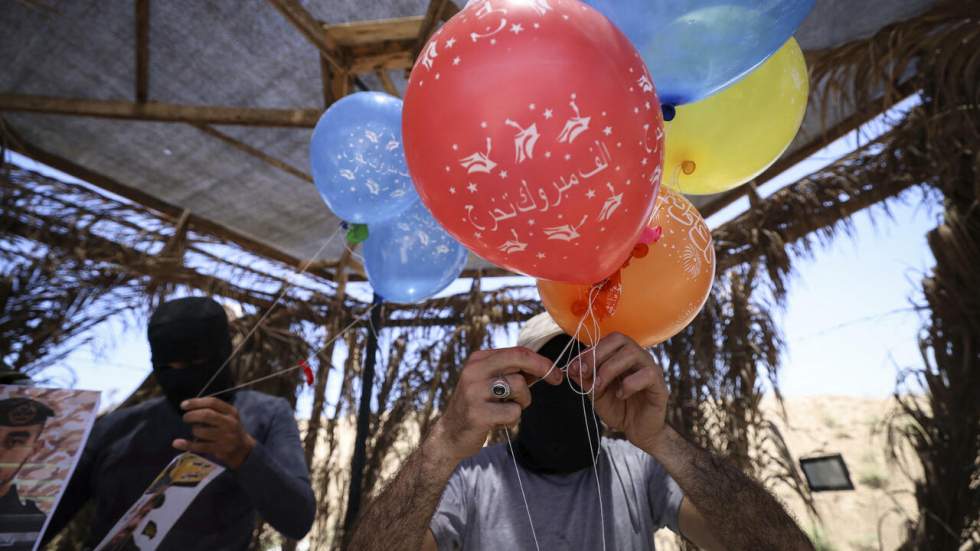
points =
(630, 394)
(724, 503)
(399, 517)
(473, 411)
(217, 431)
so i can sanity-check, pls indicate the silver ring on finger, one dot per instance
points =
(500, 389)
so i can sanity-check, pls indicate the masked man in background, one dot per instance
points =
(575, 490)
(252, 434)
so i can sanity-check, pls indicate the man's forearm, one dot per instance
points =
(740, 512)
(399, 517)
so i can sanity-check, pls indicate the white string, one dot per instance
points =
(674, 184)
(355, 255)
(593, 292)
(517, 471)
(282, 293)
(592, 452)
(302, 363)
(593, 337)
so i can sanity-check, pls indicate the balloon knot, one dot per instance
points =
(357, 233)
(307, 371)
(651, 235)
(669, 112)
(688, 167)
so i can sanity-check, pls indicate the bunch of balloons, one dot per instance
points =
(732, 79)
(358, 164)
(537, 133)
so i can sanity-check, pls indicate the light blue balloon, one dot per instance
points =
(695, 48)
(411, 258)
(358, 161)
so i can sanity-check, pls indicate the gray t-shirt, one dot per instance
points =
(481, 507)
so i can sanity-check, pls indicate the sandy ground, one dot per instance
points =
(873, 515)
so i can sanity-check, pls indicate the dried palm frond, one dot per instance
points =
(938, 54)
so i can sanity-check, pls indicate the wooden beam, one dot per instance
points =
(386, 81)
(336, 84)
(361, 33)
(449, 10)
(142, 50)
(396, 55)
(150, 201)
(257, 153)
(339, 84)
(295, 13)
(326, 77)
(166, 112)
(432, 16)
(132, 262)
(492, 271)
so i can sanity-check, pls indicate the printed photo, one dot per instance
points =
(42, 434)
(149, 520)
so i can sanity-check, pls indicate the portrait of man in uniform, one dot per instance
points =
(22, 423)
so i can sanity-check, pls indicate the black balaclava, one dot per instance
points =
(554, 435)
(194, 331)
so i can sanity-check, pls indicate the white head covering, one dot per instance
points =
(538, 331)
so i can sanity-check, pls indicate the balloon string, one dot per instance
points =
(355, 255)
(282, 293)
(593, 336)
(517, 471)
(593, 294)
(302, 363)
(675, 179)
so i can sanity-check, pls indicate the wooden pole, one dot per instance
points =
(363, 420)
(295, 13)
(152, 202)
(164, 112)
(432, 16)
(257, 153)
(142, 50)
(388, 84)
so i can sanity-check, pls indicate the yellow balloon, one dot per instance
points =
(727, 139)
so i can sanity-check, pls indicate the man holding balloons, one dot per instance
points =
(560, 486)
(537, 134)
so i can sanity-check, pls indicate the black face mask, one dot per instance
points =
(554, 434)
(194, 332)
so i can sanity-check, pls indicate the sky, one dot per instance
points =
(848, 322)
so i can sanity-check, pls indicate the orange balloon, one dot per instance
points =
(660, 289)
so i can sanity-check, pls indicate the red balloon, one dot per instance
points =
(534, 135)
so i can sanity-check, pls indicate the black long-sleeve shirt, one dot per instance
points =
(130, 447)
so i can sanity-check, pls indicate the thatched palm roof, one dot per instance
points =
(209, 106)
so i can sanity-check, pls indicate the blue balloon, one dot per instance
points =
(411, 258)
(695, 48)
(358, 161)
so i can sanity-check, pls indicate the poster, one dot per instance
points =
(149, 520)
(42, 434)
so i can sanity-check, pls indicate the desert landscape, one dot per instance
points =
(871, 517)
